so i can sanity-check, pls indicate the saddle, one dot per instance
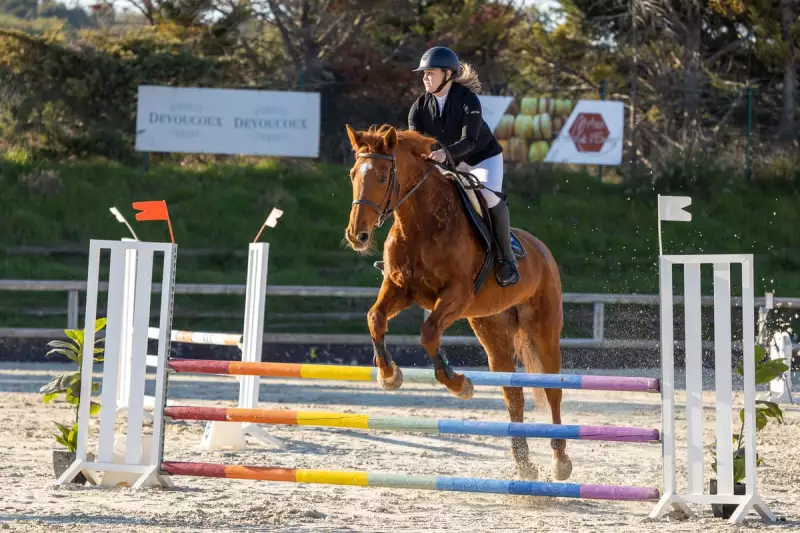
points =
(467, 186)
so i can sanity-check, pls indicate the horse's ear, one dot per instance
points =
(390, 139)
(355, 137)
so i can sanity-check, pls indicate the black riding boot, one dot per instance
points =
(506, 270)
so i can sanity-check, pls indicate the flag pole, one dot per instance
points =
(171, 235)
(660, 248)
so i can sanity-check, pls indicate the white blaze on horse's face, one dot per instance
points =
(369, 185)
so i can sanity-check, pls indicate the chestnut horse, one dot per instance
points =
(431, 257)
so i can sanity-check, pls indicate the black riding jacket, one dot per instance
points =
(460, 126)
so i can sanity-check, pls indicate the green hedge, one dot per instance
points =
(603, 235)
(65, 100)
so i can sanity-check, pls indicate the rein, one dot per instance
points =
(386, 211)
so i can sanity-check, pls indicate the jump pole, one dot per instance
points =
(415, 375)
(404, 481)
(417, 424)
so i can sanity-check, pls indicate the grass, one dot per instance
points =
(603, 235)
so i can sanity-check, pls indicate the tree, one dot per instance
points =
(777, 24)
(75, 17)
(313, 32)
(24, 9)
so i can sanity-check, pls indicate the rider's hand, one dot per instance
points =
(438, 156)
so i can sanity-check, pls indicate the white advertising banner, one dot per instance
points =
(227, 121)
(592, 135)
(492, 108)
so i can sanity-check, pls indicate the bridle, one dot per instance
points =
(386, 211)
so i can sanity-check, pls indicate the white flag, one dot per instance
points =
(672, 208)
(272, 219)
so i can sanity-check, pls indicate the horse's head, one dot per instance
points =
(375, 183)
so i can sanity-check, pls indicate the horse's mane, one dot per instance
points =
(415, 141)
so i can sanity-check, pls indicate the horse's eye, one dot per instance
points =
(382, 179)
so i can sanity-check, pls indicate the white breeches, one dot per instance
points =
(490, 173)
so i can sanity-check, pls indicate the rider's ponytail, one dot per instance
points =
(468, 77)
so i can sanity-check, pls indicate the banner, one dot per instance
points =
(227, 121)
(540, 128)
(592, 135)
(493, 108)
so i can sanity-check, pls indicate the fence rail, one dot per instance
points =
(598, 301)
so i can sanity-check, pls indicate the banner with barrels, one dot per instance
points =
(529, 125)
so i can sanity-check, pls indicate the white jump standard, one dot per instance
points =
(218, 434)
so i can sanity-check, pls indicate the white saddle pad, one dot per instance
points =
(471, 193)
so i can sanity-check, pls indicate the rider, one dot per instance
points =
(450, 111)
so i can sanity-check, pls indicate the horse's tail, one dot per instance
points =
(538, 340)
(527, 353)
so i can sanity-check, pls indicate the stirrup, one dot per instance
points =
(378, 265)
(513, 276)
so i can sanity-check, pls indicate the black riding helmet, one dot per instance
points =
(439, 57)
(443, 58)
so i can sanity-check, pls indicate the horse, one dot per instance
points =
(431, 255)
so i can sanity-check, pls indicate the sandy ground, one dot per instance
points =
(29, 501)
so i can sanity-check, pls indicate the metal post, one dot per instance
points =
(602, 97)
(634, 83)
(747, 169)
(73, 304)
(598, 331)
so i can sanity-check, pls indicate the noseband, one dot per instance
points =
(385, 211)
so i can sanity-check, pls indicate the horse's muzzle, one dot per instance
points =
(359, 240)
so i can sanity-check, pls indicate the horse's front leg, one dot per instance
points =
(452, 302)
(391, 300)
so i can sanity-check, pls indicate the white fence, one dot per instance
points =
(598, 301)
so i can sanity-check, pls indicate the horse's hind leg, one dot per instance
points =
(496, 335)
(540, 334)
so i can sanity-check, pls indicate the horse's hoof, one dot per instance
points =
(527, 472)
(562, 468)
(467, 390)
(393, 382)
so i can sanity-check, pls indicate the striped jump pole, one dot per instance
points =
(415, 375)
(418, 424)
(402, 481)
(200, 337)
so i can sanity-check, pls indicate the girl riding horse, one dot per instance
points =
(450, 111)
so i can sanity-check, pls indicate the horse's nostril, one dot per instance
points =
(363, 237)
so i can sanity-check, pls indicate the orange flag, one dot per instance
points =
(154, 210)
